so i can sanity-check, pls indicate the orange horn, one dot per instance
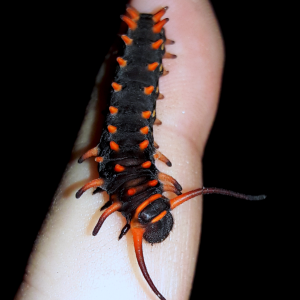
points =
(170, 179)
(94, 183)
(131, 24)
(134, 14)
(111, 209)
(138, 247)
(159, 14)
(92, 152)
(158, 26)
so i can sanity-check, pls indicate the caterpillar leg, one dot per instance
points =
(160, 96)
(169, 55)
(124, 230)
(165, 72)
(169, 42)
(157, 122)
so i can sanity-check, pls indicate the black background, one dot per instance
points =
(54, 55)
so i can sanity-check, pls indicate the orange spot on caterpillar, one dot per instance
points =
(153, 66)
(117, 87)
(114, 146)
(131, 192)
(148, 90)
(119, 168)
(144, 130)
(158, 26)
(126, 39)
(146, 114)
(134, 14)
(153, 182)
(159, 14)
(157, 44)
(121, 61)
(144, 144)
(160, 216)
(112, 129)
(113, 110)
(131, 24)
(99, 159)
(146, 164)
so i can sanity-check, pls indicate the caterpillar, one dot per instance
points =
(127, 151)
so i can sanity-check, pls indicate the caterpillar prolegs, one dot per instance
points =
(127, 151)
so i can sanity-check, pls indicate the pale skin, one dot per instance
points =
(67, 262)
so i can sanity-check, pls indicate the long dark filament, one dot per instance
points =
(186, 196)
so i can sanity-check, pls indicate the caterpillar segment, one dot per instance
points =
(127, 152)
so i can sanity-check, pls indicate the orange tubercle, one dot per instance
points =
(144, 144)
(99, 159)
(158, 26)
(114, 146)
(88, 154)
(153, 66)
(134, 14)
(119, 168)
(126, 39)
(94, 183)
(146, 114)
(131, 24)
(157, 44)
(112, 129)
(113, 110)
(148, 90)
(144, 130)
(153, 182)
(146, 165)
(159, 14)
(117, 87)
(122, 62)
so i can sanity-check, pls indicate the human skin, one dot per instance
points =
(67, 262)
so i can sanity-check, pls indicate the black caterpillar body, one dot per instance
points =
(126, 152)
